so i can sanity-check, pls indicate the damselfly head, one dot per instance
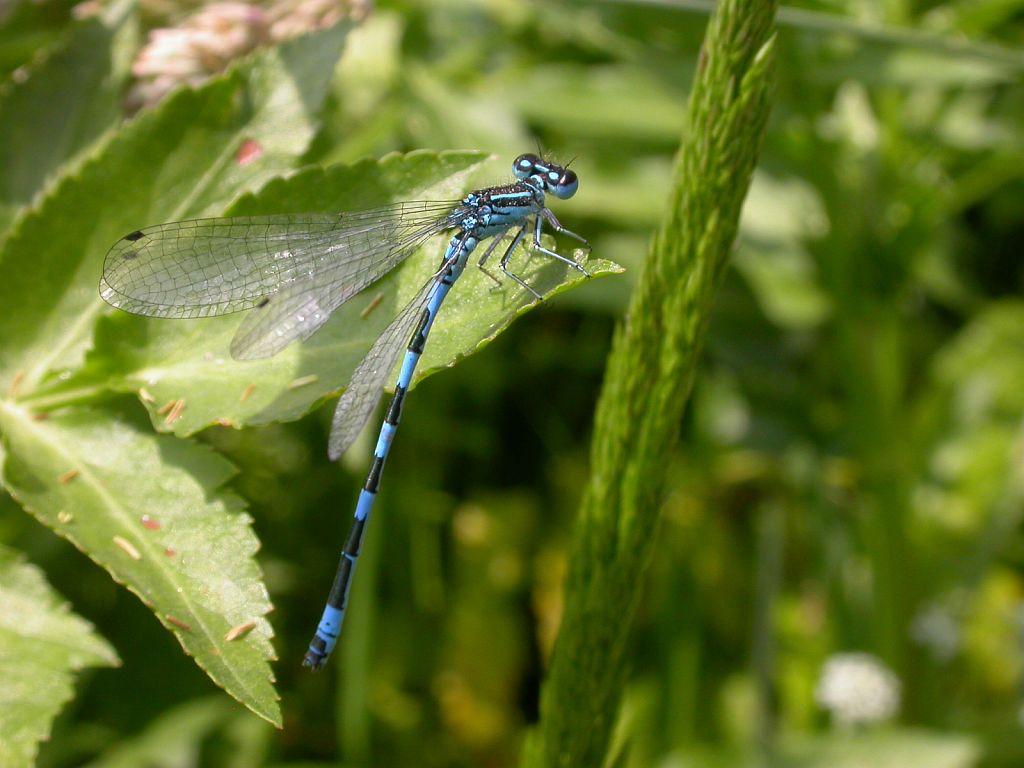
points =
(559, 181)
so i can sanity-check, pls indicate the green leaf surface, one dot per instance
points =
(173, 738)
(41, 644)
(576, 100)
(67, 101)
(975, 462)
(188, 361)
(878, 748)
(151, 511)
(178, 161)
(779, 216)
(27, 27)
(882, 64)
(887, 748)
(983, 365)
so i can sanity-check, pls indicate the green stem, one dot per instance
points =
(770, 544)
(648, 379)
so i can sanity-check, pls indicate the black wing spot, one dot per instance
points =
(263, 302)
(133, 236)
(129, 255)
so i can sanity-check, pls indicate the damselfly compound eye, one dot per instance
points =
(525, 166)
(566, 185)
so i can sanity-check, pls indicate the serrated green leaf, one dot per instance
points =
(189, 361)
(152, 512)
(66, 103)
(178, 161)
(41, 644)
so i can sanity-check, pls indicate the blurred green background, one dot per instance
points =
(851, 474)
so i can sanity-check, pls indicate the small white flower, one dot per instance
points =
(858, 689)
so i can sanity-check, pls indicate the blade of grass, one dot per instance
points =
(898, 37)
(647, 381)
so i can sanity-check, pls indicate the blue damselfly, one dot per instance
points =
(293, 271)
